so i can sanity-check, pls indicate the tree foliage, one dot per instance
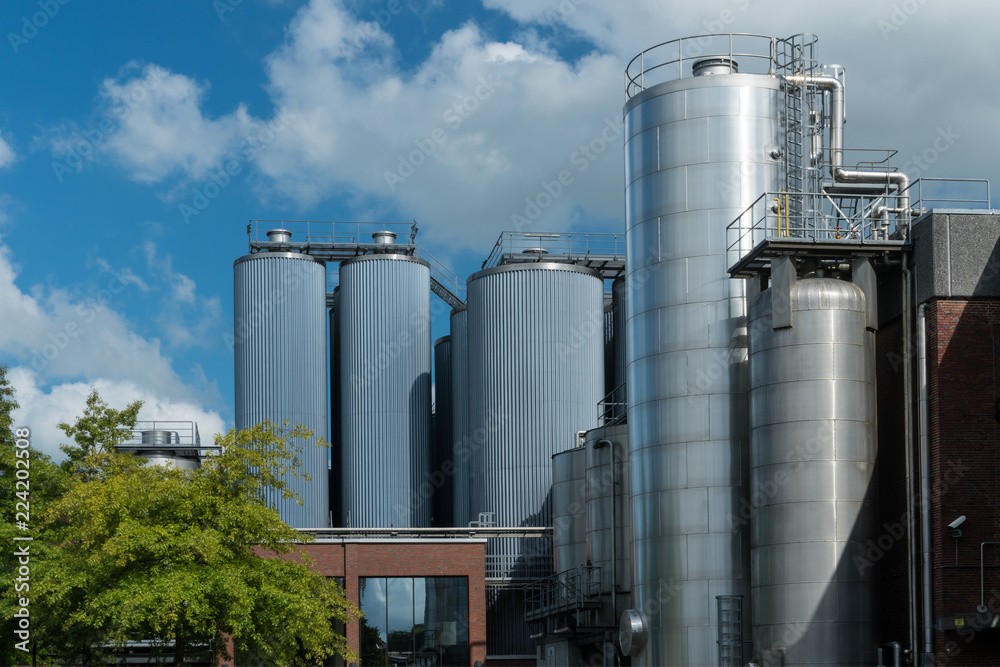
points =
(145, 552)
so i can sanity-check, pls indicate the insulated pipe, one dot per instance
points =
(982, 608)
(911, 538)
(837, 118)
(614, 528)
(925, 479)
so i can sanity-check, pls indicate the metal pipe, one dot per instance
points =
(982, 608)
(614, 528)
(837, 117)
(911, 537)
(925, 479)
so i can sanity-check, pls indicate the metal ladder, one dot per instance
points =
(730, 609)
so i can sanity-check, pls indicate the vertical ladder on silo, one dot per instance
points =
(730, 611)
(796, 153)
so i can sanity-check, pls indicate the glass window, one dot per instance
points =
(415, 621)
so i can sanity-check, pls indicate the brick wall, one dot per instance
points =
(963, 340)
(409, 558)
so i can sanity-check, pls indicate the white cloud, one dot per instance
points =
(61, 341)
(7, 156)
(43, 409)
(479, 132)
(185, 318)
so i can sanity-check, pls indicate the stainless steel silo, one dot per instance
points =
(812, 454)
(609, 516)
(280, 361)
(442, 461)
(569, 509)
(168, 456)
(698, 151)
(463, 454)
(536, 375)
(385, 387)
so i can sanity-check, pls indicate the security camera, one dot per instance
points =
(957, 522)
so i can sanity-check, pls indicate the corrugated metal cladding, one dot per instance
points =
(462, 453)
(336, 468)
(441, 462)
(812, 457)
(280, 358)
(385, 385)
(536, 375)
(609, 517)
(697, 154)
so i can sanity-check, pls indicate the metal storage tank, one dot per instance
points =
(608, 515)
(385, 385)
(462, 453)
(536, 376)
(280, 360)
(442, 460)
(336, 471)
(698, 151)
(812, 455)
(168, 456)
(569, 509)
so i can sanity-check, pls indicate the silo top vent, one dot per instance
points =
(384, 238)
(279, 235)
(715, 66)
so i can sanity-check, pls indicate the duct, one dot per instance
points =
(911, 543)
(837, 118)
(925, 482)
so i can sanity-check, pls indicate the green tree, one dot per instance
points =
(99, 429)
(43, 482)
(175, 557)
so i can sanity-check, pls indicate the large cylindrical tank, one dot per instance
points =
(698, 151)
(442, 461)
(336, 459)
(608, 515)
(385, 388)
(812, 456)
(569, 509)
(169, 456)
(280, 360)
(463, 454)
(536, 375)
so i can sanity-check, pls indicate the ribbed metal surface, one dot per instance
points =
(385, 384)
(609, 518)
(812, 454)
(336, 458)
(462, 454)
(569, 509)
(536, 374)
(280, 360)
(618, 317)
(697, 153)
(441, 461)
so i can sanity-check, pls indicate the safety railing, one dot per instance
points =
(928, 193)
(613, 407)
(329, 231)
(539, 246)
(565, 591)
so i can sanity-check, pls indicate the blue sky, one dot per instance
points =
(118, 116)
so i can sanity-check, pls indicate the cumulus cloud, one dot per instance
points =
(186, 318)
(488, 134)
(61, 341)
(42, 409)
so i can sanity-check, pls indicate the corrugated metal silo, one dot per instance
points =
(385, 385)
(280, 361)
(812, 450)
(336, 468)
(442, 459)
(569, 509)
(536, 375)
(168, 456)
(698, 151)
(462, 453)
